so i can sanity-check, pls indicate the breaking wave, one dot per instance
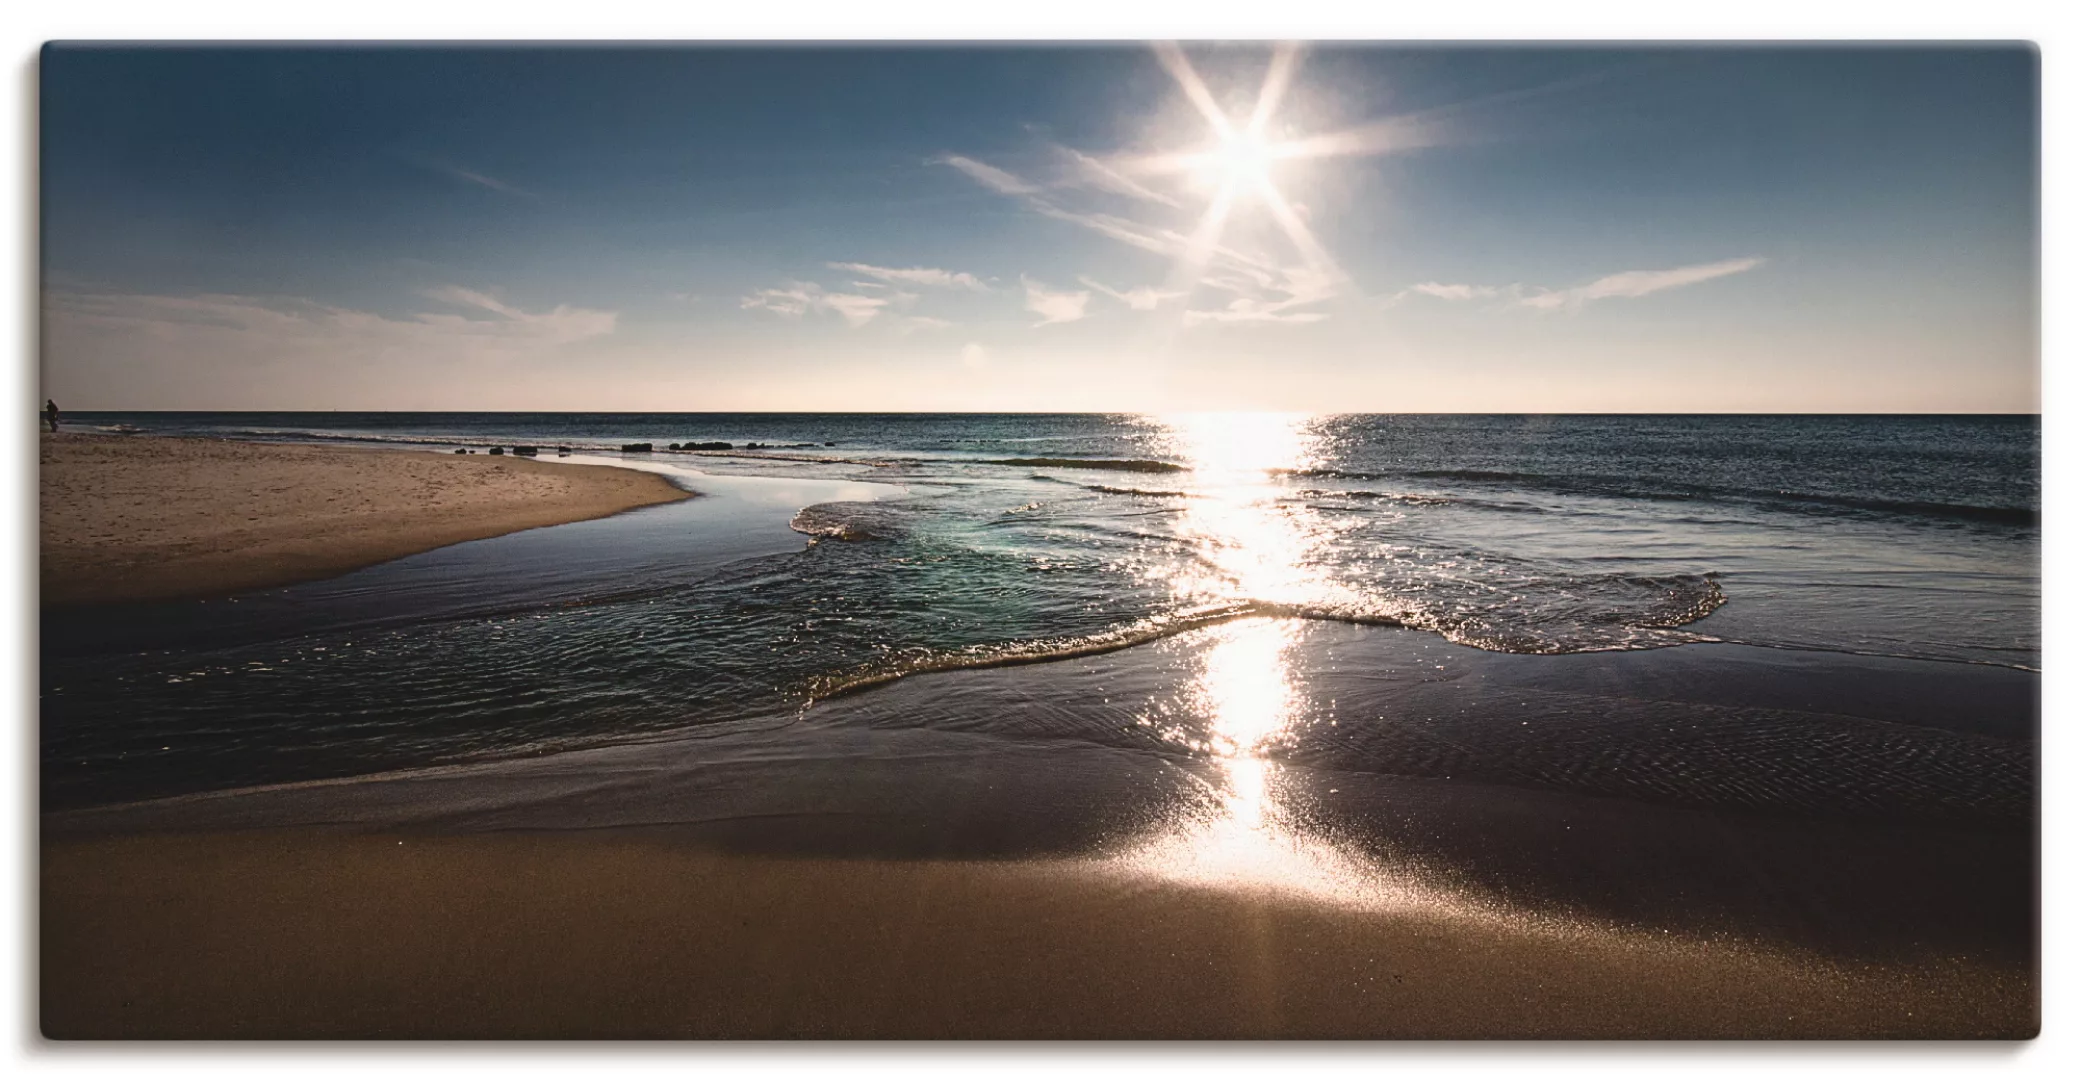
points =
(851, 521)
(1625, 487)
(1603, 614)
(1113, 464)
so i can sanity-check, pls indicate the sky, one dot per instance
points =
(1330, 227)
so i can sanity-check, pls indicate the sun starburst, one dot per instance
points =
(1239, 162)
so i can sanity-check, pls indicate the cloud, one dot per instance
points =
(799, 298)
(1270, 287)
(1151, 238)
(1636, 283)
(908, 323)
(1052, 306)
(281, 317)
(915, 275)
(1272, 299)
(1453, 292)
(855, 309)
(561, 323)
(1627, 285)
(223, 350)
(482, 180)
(794, 301)
(990, 177)
(1146, 298)
(1091, 172)
(461, 297)
(973, 355)
(1243, 309)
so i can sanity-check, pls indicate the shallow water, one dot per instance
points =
(928, 543)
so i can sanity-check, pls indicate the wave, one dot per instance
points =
(1040, 651)
(1379, 496)
(1154, 493)
(1673, 601)
(1115, 464)
(849, 521)
(1628, 488)
(1999, 515)
(299, 435)
(817, 459)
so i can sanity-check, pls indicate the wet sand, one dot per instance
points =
(892, 864)
(129, 518)
(311, 935)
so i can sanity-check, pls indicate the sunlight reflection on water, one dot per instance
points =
(1243, 700)
(1244, 833)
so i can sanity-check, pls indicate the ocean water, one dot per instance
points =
(848, 552)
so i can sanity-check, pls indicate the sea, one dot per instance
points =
(833, 553)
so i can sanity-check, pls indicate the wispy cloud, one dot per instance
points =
(1269, 287)
(799, 298)
(854, 309)
(245, 348)
(908, 323)
(989, 176)
(1272, 299)
(793, 301)
(492, 182)
(461, 297)
(1243, 309)
(562, 322)
(276, 317)
(1634, 283)
(1146, 298)
(1155, 239)
(1053, 306)
(1627, 285)
(1088, 171)
(914, 275)
(1441, 291)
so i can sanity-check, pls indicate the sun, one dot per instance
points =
(1236, 168)
(1242, 161)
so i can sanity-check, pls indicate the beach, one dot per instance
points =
(861, 746)
(130, 518)
(270, 935)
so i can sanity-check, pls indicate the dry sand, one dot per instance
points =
(309, 935)
(138, 518)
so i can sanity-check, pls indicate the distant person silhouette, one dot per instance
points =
(50, 414)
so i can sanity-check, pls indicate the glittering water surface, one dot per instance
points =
(846, 552)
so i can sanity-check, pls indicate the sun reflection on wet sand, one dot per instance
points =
(1243, 700)
(1242, 833)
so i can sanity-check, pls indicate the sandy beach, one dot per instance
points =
(311, 935)
(130, 518)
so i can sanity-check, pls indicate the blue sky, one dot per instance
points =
(1404, 229)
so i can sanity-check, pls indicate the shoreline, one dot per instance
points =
(134, 518)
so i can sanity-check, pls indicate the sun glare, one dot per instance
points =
(1237, 167)
(1242, 162)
